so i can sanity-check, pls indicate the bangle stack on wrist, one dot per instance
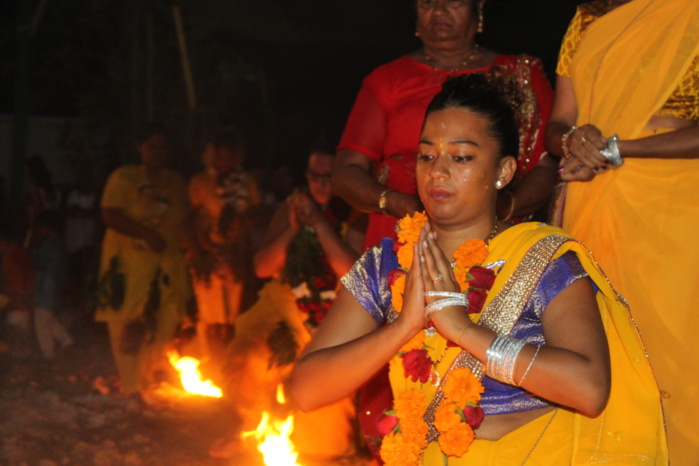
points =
(501, 357)
(450, 299)
(564, 142)
(611, 152)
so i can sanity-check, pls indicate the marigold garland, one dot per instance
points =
(446, 417)
(462, 390)
(397, 451)
(456, 441)
(462, 387)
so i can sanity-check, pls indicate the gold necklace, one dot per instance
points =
(492, 234)
(435, 376)
(464, 64)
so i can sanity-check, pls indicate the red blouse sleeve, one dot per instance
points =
(544, 94)
(365, 131)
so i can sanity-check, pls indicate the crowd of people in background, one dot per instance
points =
(253, 272)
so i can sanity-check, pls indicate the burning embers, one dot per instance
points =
(191, 377)
(274, 437)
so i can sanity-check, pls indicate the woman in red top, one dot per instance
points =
(375, 167)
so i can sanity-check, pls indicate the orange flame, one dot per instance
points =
(274, 438)
(191, 377)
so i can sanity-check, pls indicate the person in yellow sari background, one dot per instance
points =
(625, 124)
(143, 288)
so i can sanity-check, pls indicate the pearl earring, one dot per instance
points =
(498, 184)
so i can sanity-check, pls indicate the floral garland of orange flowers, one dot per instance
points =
(459, 414)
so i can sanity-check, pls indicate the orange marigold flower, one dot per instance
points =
(415, 431)
(405, 255)
(396, 451)
(456, 441)
(461, 278)
(462, 387)
(470, 253)
(397, 293)
(410, 404)
(446, 417)
(409, 227)
(416, 342)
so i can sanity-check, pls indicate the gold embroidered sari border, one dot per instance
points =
(502, 313)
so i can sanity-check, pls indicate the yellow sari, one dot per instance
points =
(641, 219)
(630, 431)
(160, 203)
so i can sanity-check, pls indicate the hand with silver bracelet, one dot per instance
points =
(445, 304)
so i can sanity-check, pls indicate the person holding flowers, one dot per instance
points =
(506, 344)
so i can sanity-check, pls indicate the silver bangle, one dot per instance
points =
(459, 300)
(444, 294)
(611, 152)
(501, 357)
(531, 363)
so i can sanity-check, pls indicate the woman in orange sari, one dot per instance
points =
(628, 92)
(506, 344)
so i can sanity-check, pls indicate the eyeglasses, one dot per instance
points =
(318, 177)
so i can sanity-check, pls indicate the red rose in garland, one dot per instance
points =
(393, 276)
(385, 423)
(417, 365)
(474, 415)
(476, 299)
(482, 278)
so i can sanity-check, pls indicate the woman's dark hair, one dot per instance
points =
(490, 98)
(148, 130)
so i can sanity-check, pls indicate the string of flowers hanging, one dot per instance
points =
(458, 414)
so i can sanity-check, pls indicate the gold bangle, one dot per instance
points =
(564, 142)
(382, 200)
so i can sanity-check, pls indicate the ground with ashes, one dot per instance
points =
(66, 413)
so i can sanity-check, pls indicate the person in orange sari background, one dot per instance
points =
(624, 123)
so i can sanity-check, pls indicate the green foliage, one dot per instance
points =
(282, 344)
(150, 309)
(304, 260)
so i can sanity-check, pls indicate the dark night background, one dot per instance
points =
(283, 72)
